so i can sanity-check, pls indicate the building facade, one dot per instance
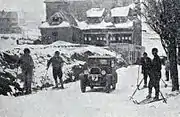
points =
(9, 22)
(59, 24)
(121, 33)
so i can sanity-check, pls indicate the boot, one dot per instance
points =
(148, 96)
(145, 86)
(56, 86)
(156, 98)
(62, 87)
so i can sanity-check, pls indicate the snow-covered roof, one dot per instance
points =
(47, 25)
(120, 11)
(103, 25)
(128, 24)
(95, 12)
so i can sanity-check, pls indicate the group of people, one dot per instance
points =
(27, 65)
(152, 69)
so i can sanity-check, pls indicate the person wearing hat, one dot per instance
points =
(146, 66)
(27, 64)
(155, 75)
(57, 63)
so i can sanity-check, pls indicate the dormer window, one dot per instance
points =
(55, 19)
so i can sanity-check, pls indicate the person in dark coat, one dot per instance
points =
(57, 63)
(26, 63)
(155, 74)
(146, 66)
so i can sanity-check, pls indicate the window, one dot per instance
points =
(119, 38)
(122, 37)
(55, 19)
(89, 38)
(116, 20)
(85, 38)
(130, 38)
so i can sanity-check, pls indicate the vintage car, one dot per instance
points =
(100, 71)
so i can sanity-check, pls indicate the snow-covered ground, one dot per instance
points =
(70, 102)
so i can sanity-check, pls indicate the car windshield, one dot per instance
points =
(96, 62)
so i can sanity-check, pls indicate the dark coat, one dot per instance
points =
(156, 64)
(156, 69)
(56, 61)
(26, 62)
(146, 64)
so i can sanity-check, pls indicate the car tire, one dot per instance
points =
(108, 85)
(83, 85)
(114, 86)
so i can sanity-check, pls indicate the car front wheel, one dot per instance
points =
(114, 86)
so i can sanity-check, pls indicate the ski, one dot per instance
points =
(146, 101)
(54, 88)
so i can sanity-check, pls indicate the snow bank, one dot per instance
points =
(42, 53)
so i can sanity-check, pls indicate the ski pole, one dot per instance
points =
(137, 88)
(138, 76)
(164, 99)
(165, 85)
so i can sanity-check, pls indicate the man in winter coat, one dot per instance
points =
(57, 63)
(26, 63)
(155, 74)
(146, 66)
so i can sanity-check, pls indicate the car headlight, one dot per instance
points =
(103, 72)
(86, 72)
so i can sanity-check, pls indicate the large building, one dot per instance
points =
(118, 27)
(9, 22)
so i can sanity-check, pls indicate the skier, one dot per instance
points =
(155, 74)
(146, 66)
(57, 63)
(26, 63)
(167, 68)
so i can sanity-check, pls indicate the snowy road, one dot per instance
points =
(72, 103)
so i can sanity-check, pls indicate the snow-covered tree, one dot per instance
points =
(163, 16)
